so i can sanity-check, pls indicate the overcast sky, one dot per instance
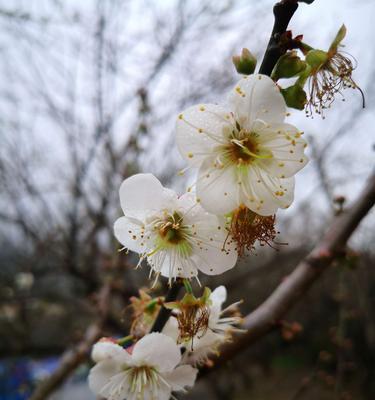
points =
(349, 161)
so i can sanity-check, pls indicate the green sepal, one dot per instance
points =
(338, 39)
(151, 306)
(245, 63)
(125, 340)
(287, 66)
(172, 305)
(316, 58)
(206, 295)
(295, 97)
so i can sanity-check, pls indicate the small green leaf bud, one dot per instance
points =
(288, 65)
(295, 97)
(245, 63)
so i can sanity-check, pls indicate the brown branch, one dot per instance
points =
(266, 317)
(73, 358)
(164, 313)
(283, 12)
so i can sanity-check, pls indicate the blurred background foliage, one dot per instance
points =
(89, 96)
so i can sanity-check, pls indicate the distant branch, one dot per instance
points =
(73, 358)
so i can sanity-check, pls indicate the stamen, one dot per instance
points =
(330, 79)
(192, 322)
(247, 227)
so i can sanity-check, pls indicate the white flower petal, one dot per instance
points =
(142, 195)
(214, 254)
(101, 373)
(171, 329)
(175, 266)
(257, 97)
(199, 128)
(157, 350)
(215, 260)
(117, 388)
(203, 347)
(106, 350)
(182, 376)
(217, 188)
(264, 194)
(287, 147)
(218, 297)
(128, 233)
(163, 392)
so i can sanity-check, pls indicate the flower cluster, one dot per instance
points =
(246, 157)
(160, 363)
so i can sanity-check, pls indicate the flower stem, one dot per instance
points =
(164, 313)
(188, 287)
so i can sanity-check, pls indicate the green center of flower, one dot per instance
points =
(172, 233)
(171, 230)
(244, 148)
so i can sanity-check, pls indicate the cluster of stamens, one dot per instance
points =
(171, 230)
(247, 227)
(192, 322)
(243, 147)
(328, 80)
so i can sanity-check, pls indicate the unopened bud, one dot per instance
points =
(295, 97)
(289, 65)
(245, 63)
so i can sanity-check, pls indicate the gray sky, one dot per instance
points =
(199, 56)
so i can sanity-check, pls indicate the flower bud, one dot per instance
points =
(245, 63)
(288, 65)
(295, 97)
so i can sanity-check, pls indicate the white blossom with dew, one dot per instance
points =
(245, 152)
(175, 234)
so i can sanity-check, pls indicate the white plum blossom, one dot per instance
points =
(175, 234)
(219, 329)
(246, 154)
(150, 371)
